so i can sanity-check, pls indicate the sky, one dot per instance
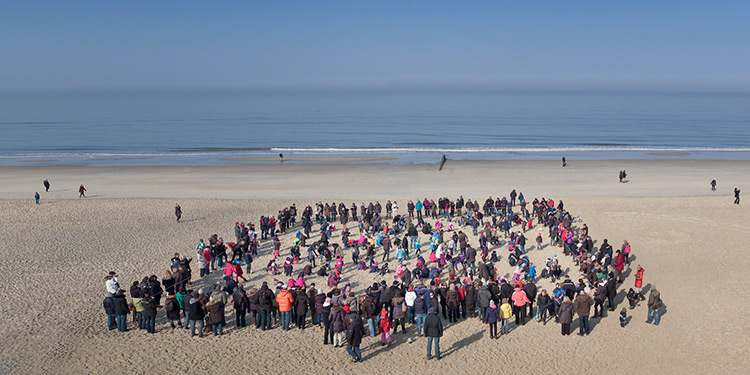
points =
(531, 45)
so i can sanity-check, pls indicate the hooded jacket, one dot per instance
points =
(285, 300)
(654, 299)
(583, 304)
(483, 297)
(565, 315)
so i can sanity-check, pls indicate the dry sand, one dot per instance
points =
(57, 253)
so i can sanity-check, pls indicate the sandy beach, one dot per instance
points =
(690, 241)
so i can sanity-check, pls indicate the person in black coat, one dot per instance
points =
(530, 289)
(109, 309)
(355, 329)
(611, 293)
(433, 328)
(121, 311)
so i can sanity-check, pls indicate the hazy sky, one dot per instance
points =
(634, 45)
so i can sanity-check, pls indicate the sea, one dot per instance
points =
(205, 127)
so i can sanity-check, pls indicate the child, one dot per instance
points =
(506, 312)
(491, 316)
(362, 264)
(385, 328)
(384, 270)
(374, 267)
(623, 317)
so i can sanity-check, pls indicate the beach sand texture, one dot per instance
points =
(56, 255)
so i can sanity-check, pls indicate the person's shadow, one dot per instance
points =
(463, 343)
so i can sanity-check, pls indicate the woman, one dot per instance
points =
(216, 316)
(172, 308)
(565, 315)
(491, 316)
(337, 322)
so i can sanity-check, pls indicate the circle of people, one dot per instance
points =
(455, 280)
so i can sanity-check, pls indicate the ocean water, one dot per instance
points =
(202, 127)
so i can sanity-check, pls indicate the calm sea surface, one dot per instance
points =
(202, 127)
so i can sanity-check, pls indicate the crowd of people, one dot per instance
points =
(455, 277)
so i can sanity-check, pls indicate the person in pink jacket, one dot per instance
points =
(519, 305)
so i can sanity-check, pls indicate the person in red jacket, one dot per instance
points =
(639, 282)
(619, 265)
(385, 328)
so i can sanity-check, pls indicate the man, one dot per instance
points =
(713, 185)
(178, 212)
(736, 196)
(240, 302)
(265, 301)
(46, 185)
(433, 327)
(285, 301)
(654, 303)
(109, 309)
(354, 331)
(196, 314)
(583, 308)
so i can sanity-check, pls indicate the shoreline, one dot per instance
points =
(478, 179)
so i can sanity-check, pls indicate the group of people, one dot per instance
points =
(452, 281)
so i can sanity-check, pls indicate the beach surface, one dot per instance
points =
(690, 241)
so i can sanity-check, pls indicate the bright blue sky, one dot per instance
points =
(633, 45)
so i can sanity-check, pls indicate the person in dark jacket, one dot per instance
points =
(420, 310)
(121, 310)
(433, 329)
(149, 313)
(265, 302)
(530, 289)
(355, 329)
(196, 314)
(240, 303)
(301, 303)
(109, 309)
(215, 309)
(543, 302)
(491, 317)
(172, 308)
(483, 300)
(611, 293)
(565, 315)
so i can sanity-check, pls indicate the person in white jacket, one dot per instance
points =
(409, 298)
(112, 283)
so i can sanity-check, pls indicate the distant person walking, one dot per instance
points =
(564, 162)
(81, 192)
(736, 196)
(46, 185)
(36, 197)
(178, 212)
(281, 158)
(713, 185)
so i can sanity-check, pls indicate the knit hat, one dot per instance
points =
(492, 303)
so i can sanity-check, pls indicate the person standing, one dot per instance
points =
(654, 303)
(355, 329)
(639, 282)
(433, 328)
(565, 315)
(46, 185)
(713, 185)
(564, 163)
(736, 196)
(491, 317)
(109, 309)
(82, 190)
(36, 197)
(583, 308)
(121, 311)
(178, 212)
(519, 305)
